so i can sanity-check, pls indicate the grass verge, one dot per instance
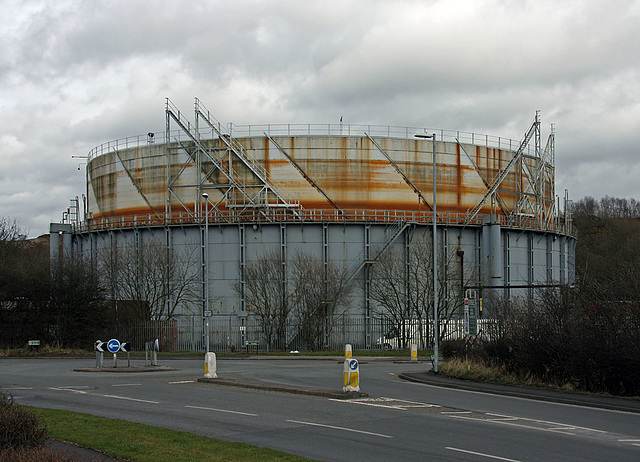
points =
(137, 442)
(478, 372)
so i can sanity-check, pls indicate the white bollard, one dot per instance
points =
(347, 351)
(210, 366)
(414, 352)
(351, 375)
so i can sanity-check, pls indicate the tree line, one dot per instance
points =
(586, 336)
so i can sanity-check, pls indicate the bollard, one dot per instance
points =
(210, 366)
(347, 351)
(351, 375)
(414, 352)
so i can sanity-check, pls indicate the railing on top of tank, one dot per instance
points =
(335, 130)
(267, 215)
(375, 131)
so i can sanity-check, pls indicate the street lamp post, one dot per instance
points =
(436, 327)
(205, 308)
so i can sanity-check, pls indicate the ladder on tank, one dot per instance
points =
(260, 200)
(235, 147)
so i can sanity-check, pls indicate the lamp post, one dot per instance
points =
(205, 308)
(436, 327)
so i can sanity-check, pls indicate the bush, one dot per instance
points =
(19, 428)
(34, 455)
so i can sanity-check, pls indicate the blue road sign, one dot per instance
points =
(113, 345)
(353, 364)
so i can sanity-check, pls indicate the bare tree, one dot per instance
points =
(402, 286)
(152, 279)
(267, 297)
(319, 289)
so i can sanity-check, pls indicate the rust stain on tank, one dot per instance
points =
(350, 170)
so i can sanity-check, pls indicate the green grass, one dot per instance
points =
(137, 442)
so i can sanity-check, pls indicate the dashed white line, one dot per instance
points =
(313, 424)
(182, 381)
(481, 454)
(227, 411)
(130, 399)
(16, 388)
(126, 385)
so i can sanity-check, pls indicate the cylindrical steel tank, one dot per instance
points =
(345, 194)
(351, 173)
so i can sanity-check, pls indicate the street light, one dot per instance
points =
(205, 308)
(436, 327)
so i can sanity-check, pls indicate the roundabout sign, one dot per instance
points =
(113, 345)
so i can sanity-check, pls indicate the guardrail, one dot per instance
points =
(331, 130)
(449, 218)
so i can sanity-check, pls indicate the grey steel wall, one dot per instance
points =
(510, 260)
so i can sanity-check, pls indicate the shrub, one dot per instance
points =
(34, 455)
(19, 428)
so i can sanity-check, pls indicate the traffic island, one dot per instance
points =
(126, 369)
(281, 388)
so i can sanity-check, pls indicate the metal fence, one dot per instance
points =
(231, 333)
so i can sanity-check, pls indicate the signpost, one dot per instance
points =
(351, 375)
(126, 347)
(255, 343)
(113, 346)
(99, 345)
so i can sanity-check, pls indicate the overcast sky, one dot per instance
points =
(75, 74)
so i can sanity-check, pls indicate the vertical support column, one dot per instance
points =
(242, 236)
(325, 262)
(170, 256)
(367, 284)
(507, 264)
(492, 251)
(562, 244)
(549, 241)
(530, 266)
(283, 256)
(203, 282)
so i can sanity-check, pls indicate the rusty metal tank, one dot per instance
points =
(288, 171)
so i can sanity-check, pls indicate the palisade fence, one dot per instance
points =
(230, 333)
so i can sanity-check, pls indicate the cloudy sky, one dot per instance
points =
(75, 74)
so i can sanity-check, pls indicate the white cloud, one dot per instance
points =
(75, 74)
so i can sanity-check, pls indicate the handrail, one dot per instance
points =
(451, 218)
(331, 130)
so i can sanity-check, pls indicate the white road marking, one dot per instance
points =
(130, 399)
(182, 381)
(481, 454)
(340, 428)
(72, 390)
(512, 423)
(222, 410)
(126, 385)
(617, 411)
(550, 422)
(16, 388)
(388, 403)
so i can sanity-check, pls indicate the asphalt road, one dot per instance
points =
(399, 420)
